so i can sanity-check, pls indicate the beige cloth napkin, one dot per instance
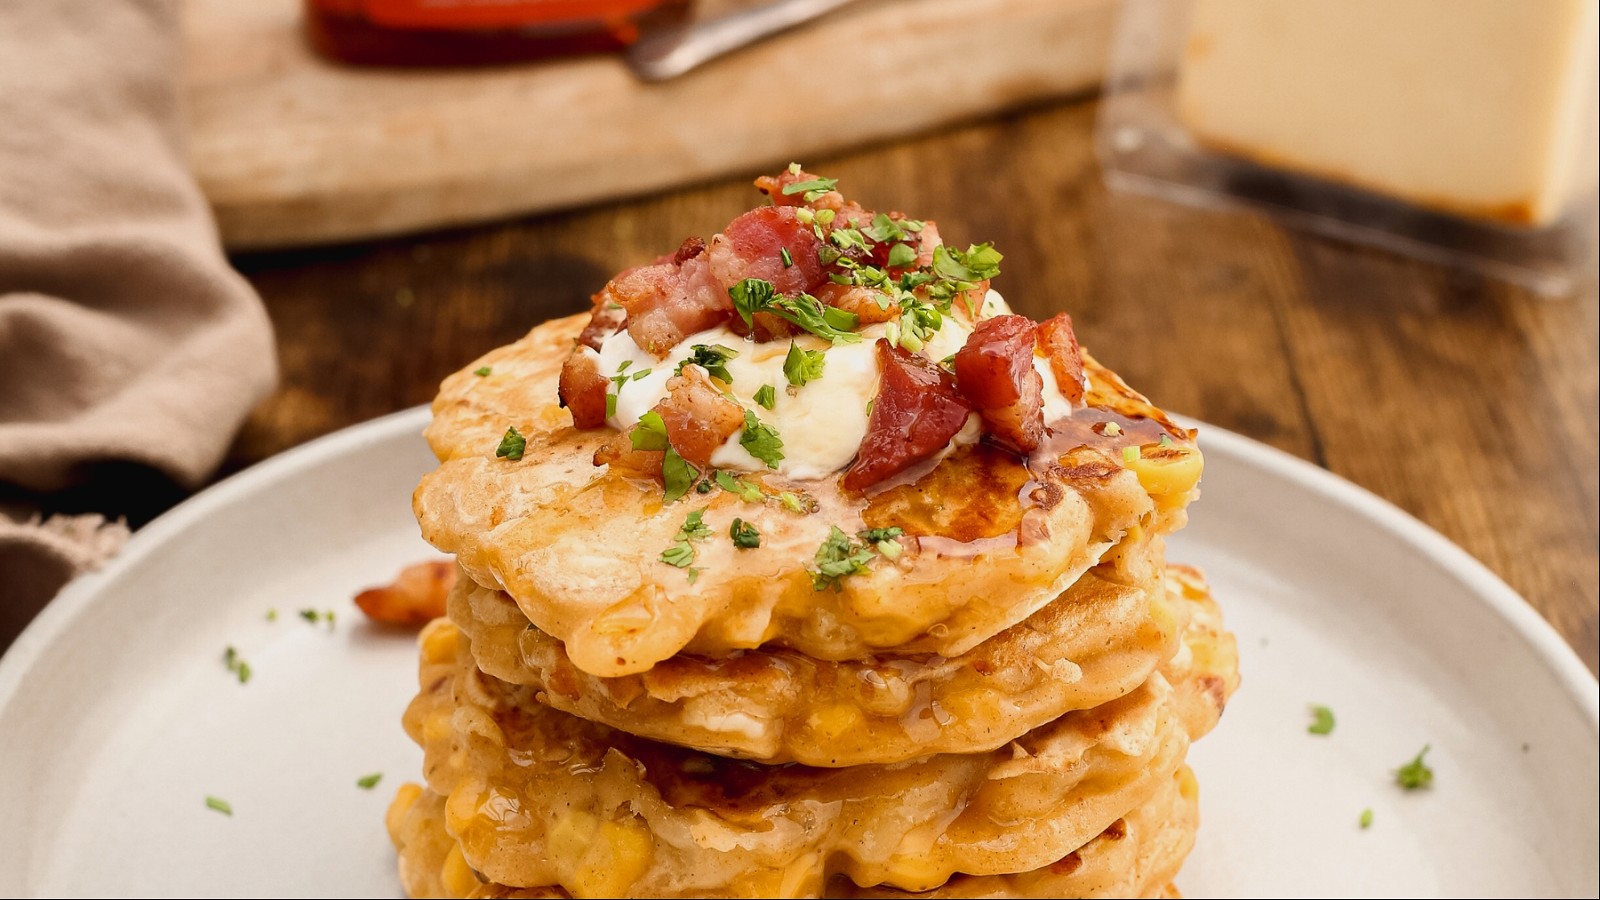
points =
(125, 338)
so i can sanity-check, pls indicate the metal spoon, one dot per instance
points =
(670, 52)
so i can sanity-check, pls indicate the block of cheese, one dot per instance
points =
(1481, 108)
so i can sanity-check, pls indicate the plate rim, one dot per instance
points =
(1552, 649)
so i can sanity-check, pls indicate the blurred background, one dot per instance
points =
(1361, 232)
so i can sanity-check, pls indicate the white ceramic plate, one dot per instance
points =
(117, 717)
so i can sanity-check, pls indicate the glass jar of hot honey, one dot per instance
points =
(478, 32)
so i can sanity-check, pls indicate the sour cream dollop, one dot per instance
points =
(821, 423)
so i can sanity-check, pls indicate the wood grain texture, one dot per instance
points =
(1470, 404)
(292, 150)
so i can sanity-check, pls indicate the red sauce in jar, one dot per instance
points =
(477, 32)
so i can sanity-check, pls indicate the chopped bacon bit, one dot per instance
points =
(582, 388)
(861, 301)
(667, 302)
(698, 417)
(917, 412)
(689, 249)
(618, 453)
(416, 597)
(604, 321)
(752, 247)
(995, 371)
(1059, 344)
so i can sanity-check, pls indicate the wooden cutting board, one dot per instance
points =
(292, 150)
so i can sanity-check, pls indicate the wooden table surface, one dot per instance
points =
(1470, 404)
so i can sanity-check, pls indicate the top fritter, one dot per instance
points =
(819, 429)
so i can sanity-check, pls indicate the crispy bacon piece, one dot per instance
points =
(996, 374)
(861, 301)
(752, 247)
(604, 321)
(698, 417)
(618, 453)
(668, 301)
(416, 597)
(689, 249)
(917, 412)
(582, 389)
(1059, 344)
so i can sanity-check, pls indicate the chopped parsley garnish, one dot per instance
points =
(753, 295)
(512, 444)
(744, 535)
(1130, 454)
(681, 553)
(368, 782)
(761, 440)
(240, 668)
(766, 396)
(1366, 818)
(313, 617)
(788, 260)
(622, 377)
(838, 557)
(919, 321)
(1112, 429)
(813, 315)
(884, 229)
(694, 527)
(746, 491)
(650, 433)
(812, 189)
(1415, 774)
(677, 475)
(977, 263)
(713, 358)
(1166, 441)
(219, 804)
(796, 502)
(886, 540)
(272, 615)
(803, 366)
(482, 371)
(1321, 720)
(901, 255)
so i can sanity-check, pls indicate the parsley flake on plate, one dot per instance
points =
(219, 804)
(482, 371)
(1366, 818)
(240, 668)
(1415, 774)
(1321, 720)
(368, 782)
